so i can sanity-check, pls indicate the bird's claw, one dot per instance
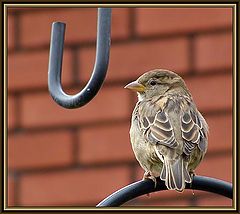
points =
(147, 175)
(192, 174)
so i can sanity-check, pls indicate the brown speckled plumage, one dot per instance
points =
(168, 133)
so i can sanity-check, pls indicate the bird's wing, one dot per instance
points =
(158, 128)
(193, 129)
(161, 131)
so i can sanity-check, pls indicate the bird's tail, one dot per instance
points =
(175, 174)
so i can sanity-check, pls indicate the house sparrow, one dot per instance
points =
(168, 134)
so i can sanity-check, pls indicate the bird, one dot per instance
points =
(169, 136)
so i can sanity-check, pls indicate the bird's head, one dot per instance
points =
(156, 83)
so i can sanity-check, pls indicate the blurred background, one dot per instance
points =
(59, 157)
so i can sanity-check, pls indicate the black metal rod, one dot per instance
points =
(100, 67)
(147, 186)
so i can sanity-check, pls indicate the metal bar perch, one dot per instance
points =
(147, 186)
(100, 67)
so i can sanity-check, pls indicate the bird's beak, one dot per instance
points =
(135, 86)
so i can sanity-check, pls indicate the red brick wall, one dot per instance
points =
(78, 157)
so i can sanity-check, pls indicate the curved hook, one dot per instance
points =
(147, 186)
(100, 67)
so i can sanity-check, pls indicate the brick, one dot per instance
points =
(73, 187)
(11, 112)
(139, 171)
(105, 144)
(120, 23)
(211, 92)
(11, 35)
(33, 150)
(216, 167)
(10, 191)
(179, 20)
(214, 52)
(30, 70)
(81, 25)
(209, 200)
(41, 110)
(24, 10)
(220, 133)
(132, 59)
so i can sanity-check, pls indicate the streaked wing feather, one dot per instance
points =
(192, 132)
(161, 131)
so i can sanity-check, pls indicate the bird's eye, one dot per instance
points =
(152, 82)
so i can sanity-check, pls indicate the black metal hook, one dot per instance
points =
(100, 67)
(147, 186)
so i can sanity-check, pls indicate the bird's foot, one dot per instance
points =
(147, 175)
(192, 174)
